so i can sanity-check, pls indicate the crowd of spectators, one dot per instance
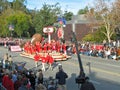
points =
(14, 76)
(104, 50)
(9, 41)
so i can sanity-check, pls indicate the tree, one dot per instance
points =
(21, 22)
(18, 5)
(97, 36)
(68, 15)
(3, 22)
(116, 17)
(47, 16)
(4, 5)
(83, 11)
(103, 13)
(116, 12)
(89, 37)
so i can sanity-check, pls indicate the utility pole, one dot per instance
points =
(82, 74)
(81, 79)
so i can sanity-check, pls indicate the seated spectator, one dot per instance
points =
(40, 87)
(51, 86)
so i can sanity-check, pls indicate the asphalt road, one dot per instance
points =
(103, 73)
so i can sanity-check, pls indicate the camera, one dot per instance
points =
(80, 80)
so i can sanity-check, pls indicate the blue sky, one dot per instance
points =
(69, 5)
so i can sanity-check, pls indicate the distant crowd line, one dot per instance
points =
(106, 50)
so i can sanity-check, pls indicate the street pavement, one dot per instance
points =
(103, 73)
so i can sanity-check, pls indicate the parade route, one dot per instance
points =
(104, 74)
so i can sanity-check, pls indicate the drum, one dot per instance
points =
(36, 37)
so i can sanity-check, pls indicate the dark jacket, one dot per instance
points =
(61, 76)
(87, 86)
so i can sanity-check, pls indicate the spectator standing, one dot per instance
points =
(7, 81)
(18, 82)
(10, 62)
(24, 85)
(5, 60)
(1, 76)
(61, 76)
(14, 76)
(39, 77)
(32, 78)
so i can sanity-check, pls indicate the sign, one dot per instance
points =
(15, 48)
(48, 30)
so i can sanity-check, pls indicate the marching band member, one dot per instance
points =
(45, 47)
(50, 61)
(49, 47)
(38, 46)
(43, 58)
(36, 59)
(26, 47)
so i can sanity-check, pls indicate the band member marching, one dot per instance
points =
(50, 61)
(44, 60)
(36, 59)
(45, 47)
(38, 46)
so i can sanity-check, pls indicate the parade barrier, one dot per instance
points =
(15, 48)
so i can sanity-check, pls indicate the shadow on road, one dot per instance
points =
(99, 83)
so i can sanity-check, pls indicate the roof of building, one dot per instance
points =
(81, 19)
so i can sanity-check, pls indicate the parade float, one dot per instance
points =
(38, 44)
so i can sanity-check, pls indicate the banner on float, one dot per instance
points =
(15, 48)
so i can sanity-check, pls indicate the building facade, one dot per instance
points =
(82, 28)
